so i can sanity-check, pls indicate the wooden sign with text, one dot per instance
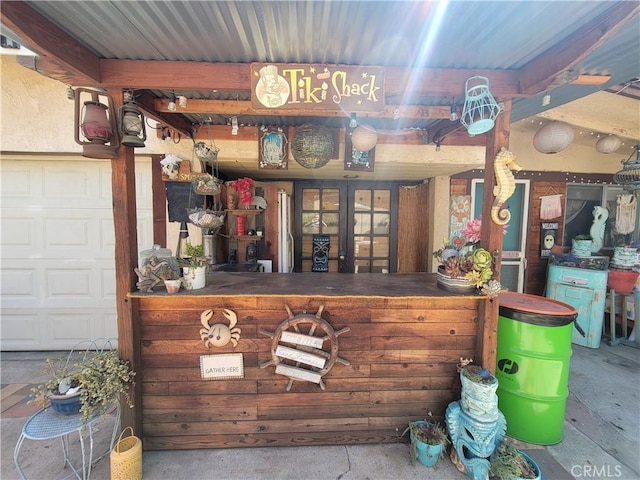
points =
(296, 86)
(221, 366)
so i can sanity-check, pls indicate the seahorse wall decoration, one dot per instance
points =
(505, 185)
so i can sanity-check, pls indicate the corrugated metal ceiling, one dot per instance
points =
(458, 34)
(455, 34)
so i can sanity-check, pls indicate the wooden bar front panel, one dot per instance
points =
(402, 351)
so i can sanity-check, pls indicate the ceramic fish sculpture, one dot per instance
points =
(505, 185)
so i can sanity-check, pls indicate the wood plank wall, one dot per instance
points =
(403, 353)
(536, 272)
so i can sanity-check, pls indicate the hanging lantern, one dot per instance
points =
(131, 124)
(554, 137)
(95, 123)
(480, 108)
(364, 138)
(629, 176)
(608, 144)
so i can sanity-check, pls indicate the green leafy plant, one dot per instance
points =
(508, 463)
(100, 377)
(430, 431)
(196, 258)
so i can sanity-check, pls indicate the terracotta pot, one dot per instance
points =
(622, 281)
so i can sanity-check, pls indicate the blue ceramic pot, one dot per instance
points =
(533, 463)
(66, 405)
(427, 454)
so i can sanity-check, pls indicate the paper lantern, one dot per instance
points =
(608, 144)
(364, 138)
(554, 137)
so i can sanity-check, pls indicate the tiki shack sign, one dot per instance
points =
(317, 87)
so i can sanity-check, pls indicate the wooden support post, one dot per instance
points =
(123, 190)
(159, 199)
(491, 239)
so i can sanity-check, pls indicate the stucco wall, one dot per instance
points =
(29, 98)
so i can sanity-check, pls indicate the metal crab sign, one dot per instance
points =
(219, 334)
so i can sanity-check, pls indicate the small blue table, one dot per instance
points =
(47, 424)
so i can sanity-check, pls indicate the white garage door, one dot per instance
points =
(57, 249)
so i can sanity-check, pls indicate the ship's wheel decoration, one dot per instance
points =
(304, 347)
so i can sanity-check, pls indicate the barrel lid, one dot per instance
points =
(535, 304)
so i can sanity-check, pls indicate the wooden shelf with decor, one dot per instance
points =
(241, 212)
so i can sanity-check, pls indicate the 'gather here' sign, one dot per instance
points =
(221, 366)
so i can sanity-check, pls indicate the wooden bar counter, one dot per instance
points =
(391, 344)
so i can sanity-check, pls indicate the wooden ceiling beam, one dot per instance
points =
(392, 137)
(47, 39)
(177, 122)
(550, 69)
(243, 107)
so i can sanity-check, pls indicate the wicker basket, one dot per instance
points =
(206, 218)
(126, 457)
(206, 185)
(312, 145)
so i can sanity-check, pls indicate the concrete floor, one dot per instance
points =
(602, 436)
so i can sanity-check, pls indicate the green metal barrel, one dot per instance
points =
(533, 353)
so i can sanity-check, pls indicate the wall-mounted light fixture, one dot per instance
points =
(454, 113)
(131, 123)
(95, 123)
(172, 103)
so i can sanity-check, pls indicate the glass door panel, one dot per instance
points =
(358, 219)
(371, 229)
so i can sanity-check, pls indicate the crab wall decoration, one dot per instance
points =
(219, 334)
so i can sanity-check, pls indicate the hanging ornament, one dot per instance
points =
(554, 137)
(608, 144)
(364, 138)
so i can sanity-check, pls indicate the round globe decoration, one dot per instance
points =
(312, 145)
(364, 138)
(608, 144)
(554, 137)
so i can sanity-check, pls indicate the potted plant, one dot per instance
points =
(509, 463)
(478, 393)
(581, 245)
(194, 267)
(86, 382)
(464, 265)
(429, 440)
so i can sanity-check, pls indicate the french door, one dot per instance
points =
(514, 261)
(358, 219)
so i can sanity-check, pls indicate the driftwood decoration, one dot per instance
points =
(304, 347)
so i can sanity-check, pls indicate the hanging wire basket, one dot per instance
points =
(206, 185)
(206, 153)
(204, 218)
